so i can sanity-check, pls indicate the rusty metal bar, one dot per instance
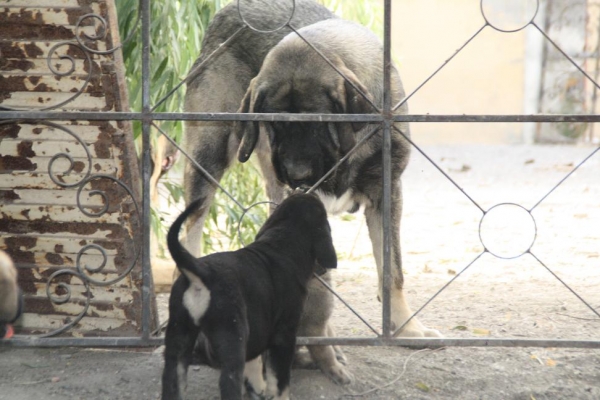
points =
(20, 341)
(146, 171)
(387, 174)
(184, 116)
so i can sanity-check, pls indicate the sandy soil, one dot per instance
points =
(490, 297)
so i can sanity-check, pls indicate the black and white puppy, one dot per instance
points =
(240, 305)
(11, 302)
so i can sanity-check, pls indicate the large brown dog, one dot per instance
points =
(10, 295)
(219, 86)
(294, 79)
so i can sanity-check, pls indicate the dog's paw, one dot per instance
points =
(338, 374)
(419, 333)
(432, 333)
(340, 356)
(416, 330)
(303, 360)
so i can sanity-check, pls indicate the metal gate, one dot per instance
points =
(385, 118)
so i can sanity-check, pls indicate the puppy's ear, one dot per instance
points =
(324, 250)
(249, 130)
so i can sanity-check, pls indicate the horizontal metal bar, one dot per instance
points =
(32, 341)
(498, 118)
(121, 116)
(25, 341)
(446, 342)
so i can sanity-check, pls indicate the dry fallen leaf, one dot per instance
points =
(451, 271)
(534, 357)
(550, 362)
(479, 331)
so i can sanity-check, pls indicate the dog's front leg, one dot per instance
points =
(400, 311)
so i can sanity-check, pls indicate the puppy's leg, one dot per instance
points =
(279, 366)
(254, 381)
(229, 344)
(179, 344)
(400, 311)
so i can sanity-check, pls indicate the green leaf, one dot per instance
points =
(422, 387)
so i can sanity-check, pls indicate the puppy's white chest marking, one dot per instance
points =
(336, 205)
(196, 298)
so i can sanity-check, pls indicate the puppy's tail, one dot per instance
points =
(185, 261)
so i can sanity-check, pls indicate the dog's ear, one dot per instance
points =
(348, 100)
(324, 250)
(249, 130)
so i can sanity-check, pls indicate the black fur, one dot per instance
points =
(256, 296)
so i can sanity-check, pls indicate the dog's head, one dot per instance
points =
(303, 217)
(302, 152)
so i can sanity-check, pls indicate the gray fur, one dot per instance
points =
(294, 78)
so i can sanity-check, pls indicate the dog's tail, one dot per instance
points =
(185, 261)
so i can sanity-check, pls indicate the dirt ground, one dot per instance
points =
(490, 297)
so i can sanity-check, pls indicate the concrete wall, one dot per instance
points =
(486, 77)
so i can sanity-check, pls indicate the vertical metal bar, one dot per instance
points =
(387, 168)
(146, 121)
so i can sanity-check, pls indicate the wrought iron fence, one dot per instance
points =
(383, 119)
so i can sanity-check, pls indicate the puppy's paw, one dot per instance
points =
(338, 374)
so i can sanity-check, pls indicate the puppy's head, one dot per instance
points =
(302, 152)
(306, 214)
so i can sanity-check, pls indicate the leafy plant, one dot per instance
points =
(176, 34)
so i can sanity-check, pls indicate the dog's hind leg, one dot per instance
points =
(219, 87)
(229, 345)
(179, 344)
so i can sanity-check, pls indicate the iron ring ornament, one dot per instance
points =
(283, 25)
(505, 30)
